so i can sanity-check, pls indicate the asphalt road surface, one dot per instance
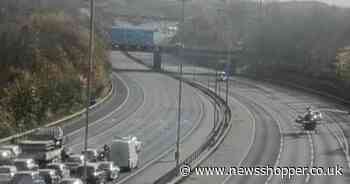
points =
(276, 140)
(148, 111)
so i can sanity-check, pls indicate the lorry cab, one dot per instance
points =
(124, 153)
(44, 145)
(54, 134)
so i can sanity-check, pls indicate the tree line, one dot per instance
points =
(43, 65)
(308, 38)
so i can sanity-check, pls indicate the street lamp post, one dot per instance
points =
(216, 91)
(88, 95)
(183, 24)
(261, 17)
(226, 119)
(177, 153)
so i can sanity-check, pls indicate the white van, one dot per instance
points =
(124, 153)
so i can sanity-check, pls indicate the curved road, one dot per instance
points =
(149, 112)
(277, 140)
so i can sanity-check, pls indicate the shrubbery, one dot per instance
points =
(300, 38)
(43, 69)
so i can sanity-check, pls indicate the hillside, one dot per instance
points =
(43, 68)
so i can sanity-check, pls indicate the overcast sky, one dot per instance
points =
(345, 3)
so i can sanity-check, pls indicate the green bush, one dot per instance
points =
(44, 67)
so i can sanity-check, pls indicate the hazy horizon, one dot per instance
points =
(343, 3)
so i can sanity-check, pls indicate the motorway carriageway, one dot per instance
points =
(276, 139)
(148, 111)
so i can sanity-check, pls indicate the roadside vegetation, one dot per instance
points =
(302, 42)
(44, 64)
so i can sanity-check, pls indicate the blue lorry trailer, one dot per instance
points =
(132, 38)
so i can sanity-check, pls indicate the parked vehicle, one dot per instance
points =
(112, 171)
(44, 145)
(27, 177)
(25, 164)
(124, 153)
(50, 176)
(71, 181)
(73, 161)
(60, 168)
(6, 173)
(91, 155)
(94, 174)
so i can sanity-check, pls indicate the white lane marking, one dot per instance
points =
(328, 95)
(205, 155)
(278, 122)
(252, 139)
(109, 114)
(66, 118)
(312, 155)
(341, 139)
(116, 125)
(151, 162)
(252, 136)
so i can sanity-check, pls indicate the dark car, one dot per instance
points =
(94, 174)
(112, 171)
(27, 177)
(25, 164)
(61, 169)
(73, 161)
(93, 101)
(50, 176)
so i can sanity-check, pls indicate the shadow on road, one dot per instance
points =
(295, 135)
(347, 176)
(335, 152)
